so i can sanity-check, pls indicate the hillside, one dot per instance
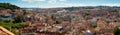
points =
(8, 6)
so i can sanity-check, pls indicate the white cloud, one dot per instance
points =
(62, 0)
(74, 4)
(55, 1)
(33, 0)
(52, 1)
(49, 1)
(111, 4)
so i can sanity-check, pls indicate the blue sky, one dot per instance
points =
(61, 3)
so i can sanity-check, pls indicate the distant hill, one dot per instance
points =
(8, 6)
(30, 8)
(74, 8)
(90, 7)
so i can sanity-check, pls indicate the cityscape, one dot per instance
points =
(59, 17)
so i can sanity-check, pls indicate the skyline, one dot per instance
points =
(60, 3)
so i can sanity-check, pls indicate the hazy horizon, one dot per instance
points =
(61, 3)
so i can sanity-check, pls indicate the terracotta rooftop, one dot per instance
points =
(4, 31)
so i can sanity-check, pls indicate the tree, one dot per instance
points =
(116, 31)
(2, 8)
(9, 25)
(58, 21)
(17, 25)
(53, 17)
(94, 25)
(24, 11)
(116, 20)
(18, 19)
(115, 10)
(8, 6)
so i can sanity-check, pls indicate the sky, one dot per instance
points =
(60, 3)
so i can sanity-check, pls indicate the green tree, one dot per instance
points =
(116, 31)
(25, 12)
(8, 6)
(58, 21)
(17, 25)
(115, 10)
(18, 19)
(94, 25)
(116, 20)
(9, 26)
